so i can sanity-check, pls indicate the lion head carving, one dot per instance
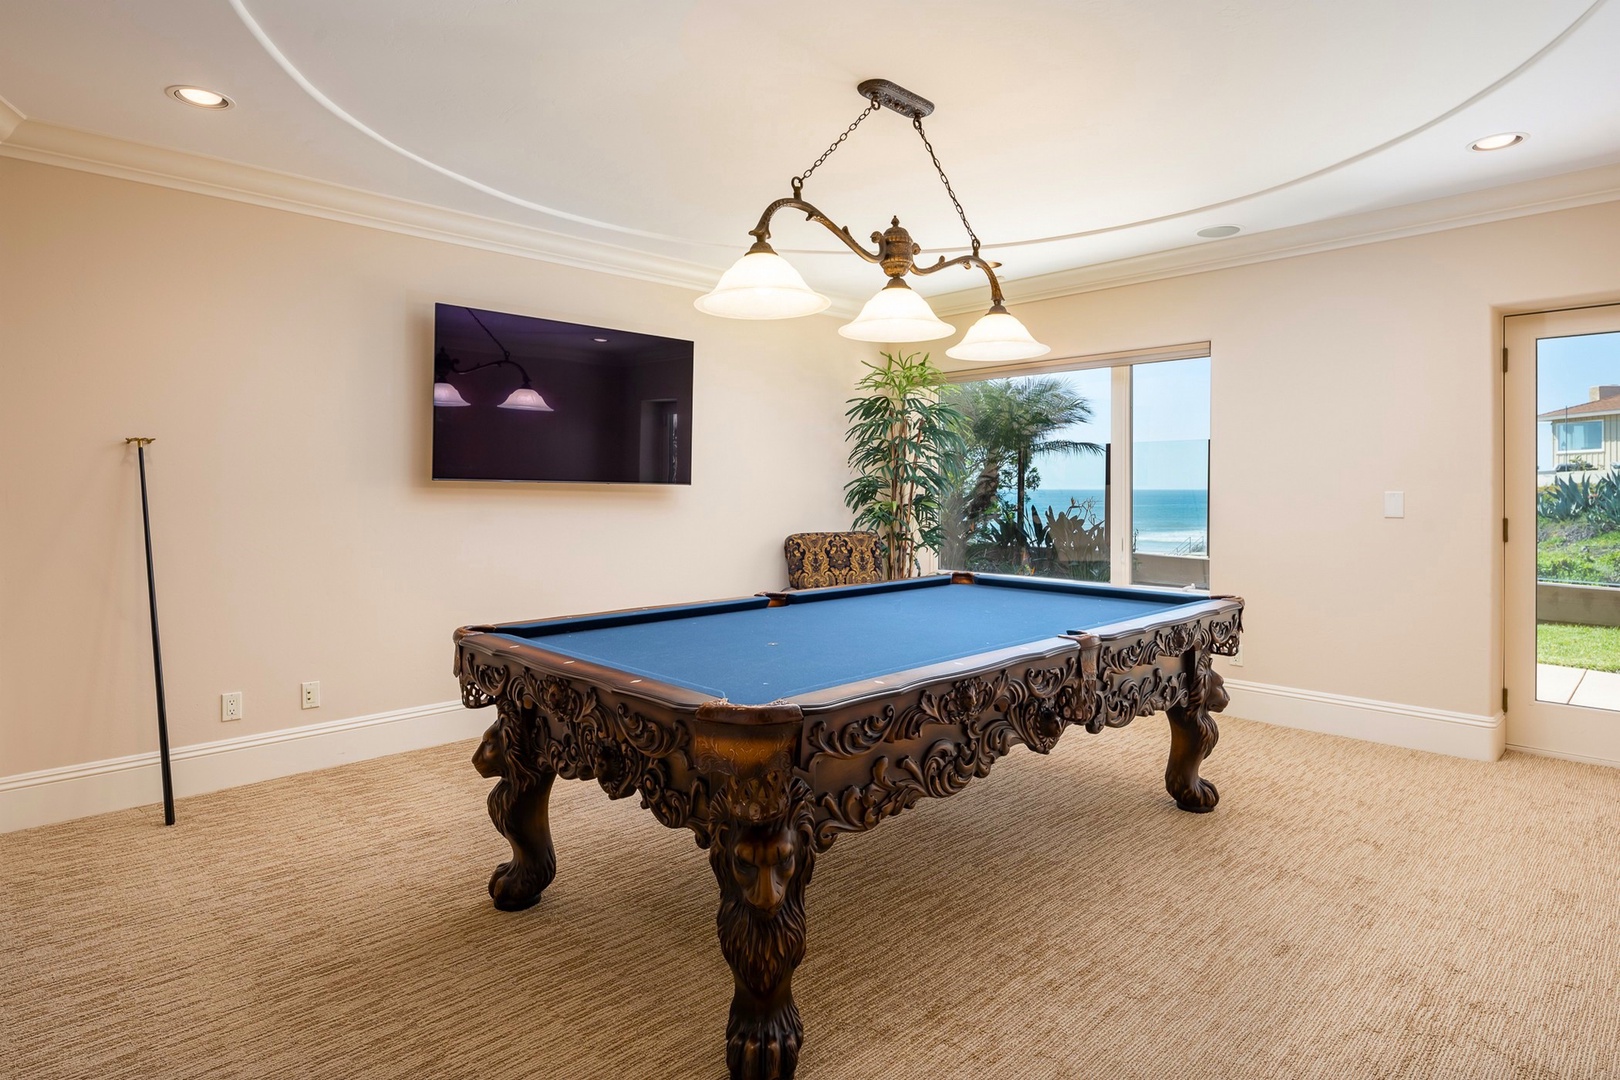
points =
(490, 757)
(762, 856)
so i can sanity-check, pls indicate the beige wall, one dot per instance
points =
(1337, 377)
(283, 363)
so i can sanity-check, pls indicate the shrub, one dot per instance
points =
(1582, 500)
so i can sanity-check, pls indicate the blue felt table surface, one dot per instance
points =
(755, 654)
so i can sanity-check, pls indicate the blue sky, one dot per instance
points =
(1172, 427)
(1566, 370)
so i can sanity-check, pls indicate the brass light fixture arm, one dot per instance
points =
(964, 261)
(762, 232)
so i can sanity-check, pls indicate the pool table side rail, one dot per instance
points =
(683, 700)
(676, 703)
(492, 645)
(1211, 623)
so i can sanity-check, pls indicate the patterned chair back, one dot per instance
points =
(816, 560)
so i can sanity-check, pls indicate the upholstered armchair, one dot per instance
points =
(816, 560)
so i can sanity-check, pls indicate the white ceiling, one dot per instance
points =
(1076, 132)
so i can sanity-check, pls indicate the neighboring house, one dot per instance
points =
(1588, 433)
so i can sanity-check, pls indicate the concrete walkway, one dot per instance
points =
(1577, 686)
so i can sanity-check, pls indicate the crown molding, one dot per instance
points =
(70, 148)
(48, 144)
(11, 119)
(1561, 192)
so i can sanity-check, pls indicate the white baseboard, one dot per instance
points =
(97, 787)
(1439, 731)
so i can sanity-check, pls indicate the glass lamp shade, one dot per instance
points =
(445, 395)
(997, 336)
(896, 314)
(525, 399)
(761, 285)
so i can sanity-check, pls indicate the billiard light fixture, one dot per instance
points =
(524, 399)
(763, 285)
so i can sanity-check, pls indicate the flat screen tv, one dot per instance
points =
(520, 398)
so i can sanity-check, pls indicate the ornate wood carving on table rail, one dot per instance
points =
(767, 789)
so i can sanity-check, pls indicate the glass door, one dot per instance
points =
(1561, 407)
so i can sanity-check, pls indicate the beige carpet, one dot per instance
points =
(1350, 910)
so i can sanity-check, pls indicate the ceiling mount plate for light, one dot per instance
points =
(894, 96)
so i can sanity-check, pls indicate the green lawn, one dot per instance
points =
(1596, 648)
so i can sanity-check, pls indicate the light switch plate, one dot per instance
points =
(1394, 504)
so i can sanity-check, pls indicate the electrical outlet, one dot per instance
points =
(312, 695)
(1237, 657)
(230, 706)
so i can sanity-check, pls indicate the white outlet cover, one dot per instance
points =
(1394, 504)
(310, 695)
(230, 706)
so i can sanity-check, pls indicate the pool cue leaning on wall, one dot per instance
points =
(157, 648)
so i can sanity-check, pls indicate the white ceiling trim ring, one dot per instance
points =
(274, 51)
(1338, 166)
(338, 111)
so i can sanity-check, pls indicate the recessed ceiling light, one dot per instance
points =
(196, 95)
(1215, 232)
(1499, 142)
(598, 339)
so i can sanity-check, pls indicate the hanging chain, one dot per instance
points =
(798, 181)
(916, 122)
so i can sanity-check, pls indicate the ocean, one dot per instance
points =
(1167, 522)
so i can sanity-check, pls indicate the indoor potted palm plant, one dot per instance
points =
(904, 439)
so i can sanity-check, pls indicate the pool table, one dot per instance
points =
(771, 725)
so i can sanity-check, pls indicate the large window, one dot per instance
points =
(1032, 496)
(1099, 472)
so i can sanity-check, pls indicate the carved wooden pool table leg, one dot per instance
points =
(762, 856)
(519, 807)
(1193, 735)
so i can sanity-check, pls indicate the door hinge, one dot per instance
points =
(1504, 530)
(1504, 699)
(1504, 359)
